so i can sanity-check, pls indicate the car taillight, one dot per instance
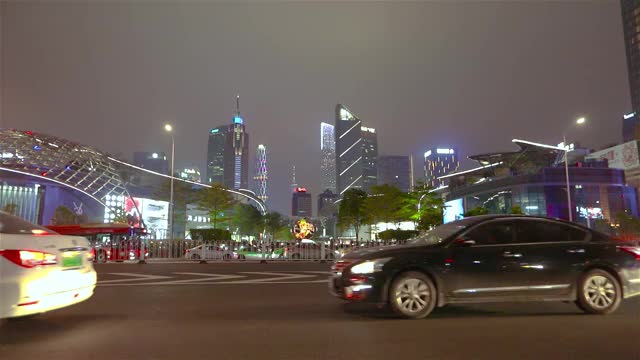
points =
(29, 258)
(635, 251)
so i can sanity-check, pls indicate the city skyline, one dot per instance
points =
(470, 95)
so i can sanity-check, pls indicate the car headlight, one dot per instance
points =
(369, 266)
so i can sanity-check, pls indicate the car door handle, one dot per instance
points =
(575, 251)
(509, 254)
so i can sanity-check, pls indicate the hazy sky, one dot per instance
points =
(468, 74)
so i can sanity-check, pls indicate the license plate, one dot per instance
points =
(71, 259)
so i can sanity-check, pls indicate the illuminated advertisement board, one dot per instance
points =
(154, 213)
(303, 229)
(453, 210)
(623, 156)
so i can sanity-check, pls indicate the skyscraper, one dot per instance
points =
(301, 203)
(396, 171)
(439, 162)
(328, 150)
(153, 161)
(631, 30)
(261, 174)
(356, 152)
(369, 158)
(228, 153)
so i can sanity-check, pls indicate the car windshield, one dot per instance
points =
(438, 234)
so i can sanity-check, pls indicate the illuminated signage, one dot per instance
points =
(301, 189)
(444, 151)
(629, 116)
(237, 120)
(427, 154)
(303, 229)
(154, 155)
(371, 130)
(215, 131)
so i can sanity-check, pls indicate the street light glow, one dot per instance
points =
(168, 128)
(581, 121)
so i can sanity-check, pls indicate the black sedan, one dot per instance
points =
(489, 259)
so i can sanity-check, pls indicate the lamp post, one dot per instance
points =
(168, 128)
(579, 121)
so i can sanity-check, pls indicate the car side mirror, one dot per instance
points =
(464, 242)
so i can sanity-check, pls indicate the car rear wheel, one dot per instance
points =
(598, 292)
(295, 256)
(412, 295)
(195, 257)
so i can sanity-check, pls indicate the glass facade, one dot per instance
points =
(356, 149)
(631, 29)
(595, 194)
(22, 201)
(396, 171)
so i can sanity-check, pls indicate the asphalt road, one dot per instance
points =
(283, 311)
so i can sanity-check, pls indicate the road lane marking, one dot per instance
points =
(217, 279)
(136, 277)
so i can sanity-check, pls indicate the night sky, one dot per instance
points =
(472, 75)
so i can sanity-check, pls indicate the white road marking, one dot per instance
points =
(136, 277)
(204, 277)
(216, 279)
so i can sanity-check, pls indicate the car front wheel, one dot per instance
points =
(412, 295)
(598, 292)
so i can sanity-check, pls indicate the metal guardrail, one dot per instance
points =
(225, 251)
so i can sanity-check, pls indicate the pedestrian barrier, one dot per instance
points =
(230, 251)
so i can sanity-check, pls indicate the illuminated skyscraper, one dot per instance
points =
(228, 153)
(261, 174)
(301, 203)
(328, 150)
(356, 152)
(369, 158)
(439, 162)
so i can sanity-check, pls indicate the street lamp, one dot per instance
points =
(579, 121)
(168, 128)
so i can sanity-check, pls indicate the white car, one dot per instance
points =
(215, 252)
(40, 270)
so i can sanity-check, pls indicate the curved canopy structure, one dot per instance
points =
(76, 166)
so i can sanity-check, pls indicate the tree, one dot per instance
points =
(388, 204)
(215, 200)
(210, 234)
(476, 211)
(516, 209)
(63, 215)
(247, 219)
(10, 208)
(431, 206)
(273, 221)
(351, 211)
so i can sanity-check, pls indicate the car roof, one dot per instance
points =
(483, 218)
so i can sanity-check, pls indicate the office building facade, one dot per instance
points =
(395, 170)
(369, 158)
(439, 162)
(153, 161)
(228, 153)
(261, 173)
(301, 203)
(328, 161)
(631, 29)
(356, 152)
